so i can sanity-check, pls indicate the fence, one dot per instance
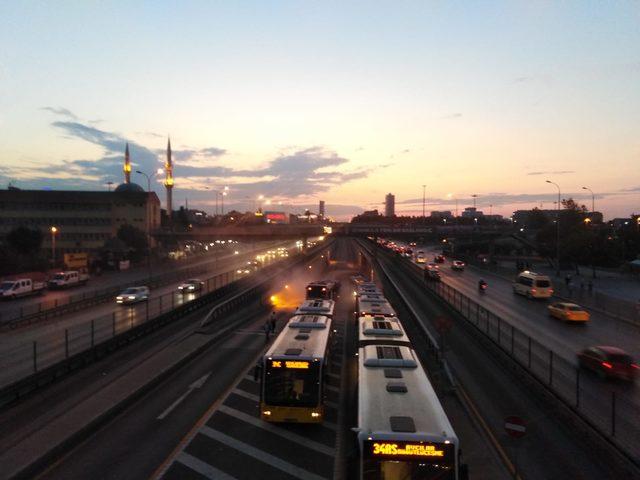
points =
(50, 308)
(612, 411)
(21, 361)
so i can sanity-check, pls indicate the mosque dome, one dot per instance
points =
(129, 187)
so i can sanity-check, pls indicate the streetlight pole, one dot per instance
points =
(149, 267)
(593, 199)
(557, 229)
(54, 230)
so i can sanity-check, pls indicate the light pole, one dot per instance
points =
(593, 199)
(557, 229)
(222, 195)
(109, 185)
(54, 230)
(159, 171)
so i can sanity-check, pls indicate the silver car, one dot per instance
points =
(190, 286)
(133, 295)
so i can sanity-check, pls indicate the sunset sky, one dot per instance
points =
(340, 101)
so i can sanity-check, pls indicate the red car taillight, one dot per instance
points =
(633, 365)
(607, 365)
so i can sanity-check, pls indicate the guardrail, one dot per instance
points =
(27, 314)
(609, 412)
(29, 365)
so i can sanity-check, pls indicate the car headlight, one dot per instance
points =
(191, 287)
(132, 297)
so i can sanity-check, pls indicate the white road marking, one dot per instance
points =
(260, 455)
(244, 394)
(319, 447)
(197, 384)
(203, 468)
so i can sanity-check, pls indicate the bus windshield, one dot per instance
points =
(294, 387)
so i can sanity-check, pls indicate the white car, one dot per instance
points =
(133, 295)
(190, 286)
(420, 258)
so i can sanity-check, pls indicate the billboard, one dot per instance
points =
(76, 261)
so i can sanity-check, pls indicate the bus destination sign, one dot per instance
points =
(422, 451)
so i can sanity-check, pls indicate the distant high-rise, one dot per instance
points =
(168, 181)
(321, 209)
(389, 205)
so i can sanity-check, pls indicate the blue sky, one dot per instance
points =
(341, 101)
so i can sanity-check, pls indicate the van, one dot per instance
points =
(533, 285)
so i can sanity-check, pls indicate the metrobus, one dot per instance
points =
(316, 307)
(293, 371)
(381, 331)
(373, 307)
(403, 432)
(323, 290)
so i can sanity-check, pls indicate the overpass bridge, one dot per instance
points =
(248, 232)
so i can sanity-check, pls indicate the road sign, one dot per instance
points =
(515, 426)
(443, 324)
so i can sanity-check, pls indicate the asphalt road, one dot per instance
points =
(51, 340)
(549, 450)
(565, 340)
(149, 435)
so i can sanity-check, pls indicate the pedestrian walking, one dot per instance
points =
(272, 322)
(267, 331)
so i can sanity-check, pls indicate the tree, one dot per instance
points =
(133, 237)
(24, 240)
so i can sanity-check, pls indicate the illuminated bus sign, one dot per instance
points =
(419, 451)
(293, 364)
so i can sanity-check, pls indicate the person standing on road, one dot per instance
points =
(267, 331)
(272, 322)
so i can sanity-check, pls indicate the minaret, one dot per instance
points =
(168, 181)
(127, 165)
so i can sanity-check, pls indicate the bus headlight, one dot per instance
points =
(315, 414)
(266, 413)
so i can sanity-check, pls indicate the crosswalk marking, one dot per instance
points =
(260, 455)
(203, 468)
(278, 431)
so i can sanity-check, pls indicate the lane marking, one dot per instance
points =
(244, 394)
(260, 455)
(202, 468)
(197, 384)
(304, 441)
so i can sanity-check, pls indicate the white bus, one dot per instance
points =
(374, 307)
(403, 432)
(293, 371)
(381, 331)
(316, 307)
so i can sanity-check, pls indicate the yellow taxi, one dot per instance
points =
(569, 312)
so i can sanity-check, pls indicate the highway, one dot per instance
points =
(200, 419)
(60, 337)
(17, 308)
(565, 340)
